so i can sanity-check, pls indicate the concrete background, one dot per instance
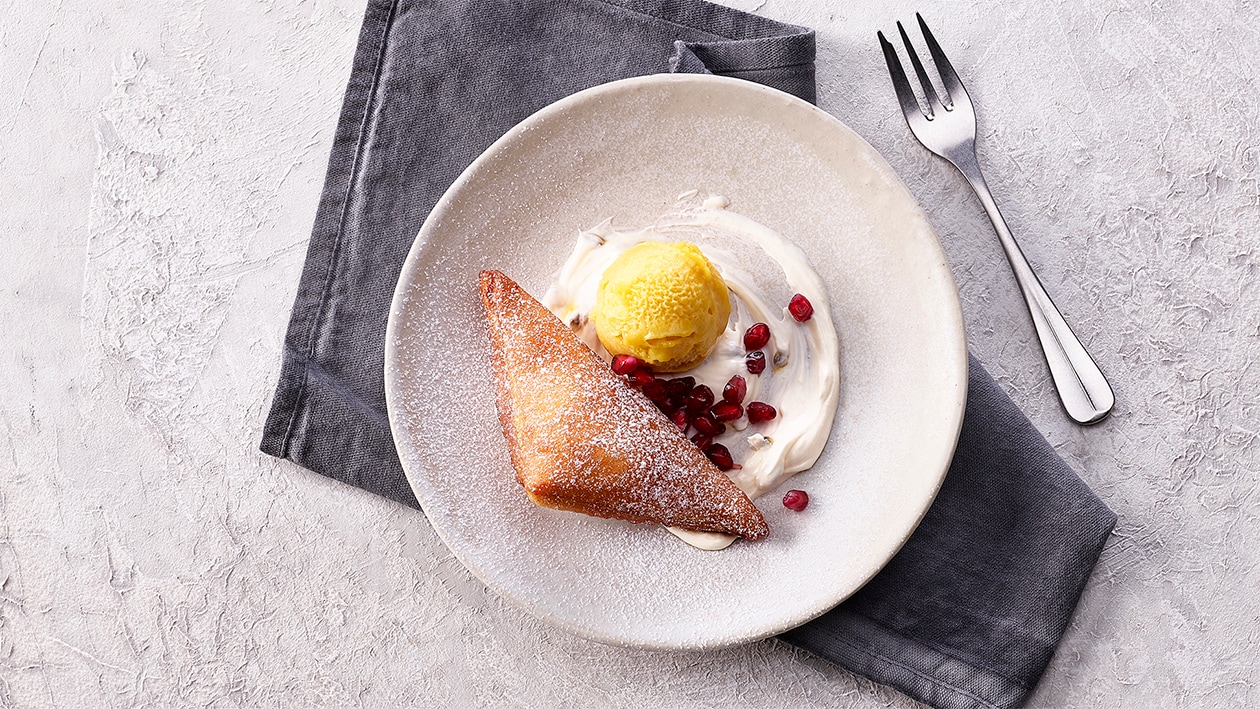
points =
(160, 165)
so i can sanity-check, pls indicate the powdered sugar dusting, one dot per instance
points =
(583, 440)
(628, 155)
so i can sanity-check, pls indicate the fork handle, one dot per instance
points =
(1083, 389)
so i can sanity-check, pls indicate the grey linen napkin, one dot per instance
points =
(966, 615)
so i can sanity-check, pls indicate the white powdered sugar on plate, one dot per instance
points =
(626, 150)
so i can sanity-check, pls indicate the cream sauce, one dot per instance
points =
(802, 376)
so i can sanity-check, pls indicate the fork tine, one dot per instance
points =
(929, 91)
(954, 90)
(905, 95)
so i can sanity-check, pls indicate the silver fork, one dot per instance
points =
(948, 128)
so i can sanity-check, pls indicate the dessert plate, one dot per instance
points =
(626, 150)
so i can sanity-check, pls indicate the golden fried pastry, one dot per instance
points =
(582, 440)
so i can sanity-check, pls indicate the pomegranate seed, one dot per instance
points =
(625, 364)
(705, 424)
(736, 389)
(640, 377)
(678, 388)
(680, 419)
(699, 399)
(796, 500)
(726, 411)
(759, 412)
(801, 308)
(655, 390)
(756, 336)
(669, 407)
(720, 456)
(756, 362)
(702, 441)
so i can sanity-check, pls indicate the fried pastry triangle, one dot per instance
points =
(582, 440)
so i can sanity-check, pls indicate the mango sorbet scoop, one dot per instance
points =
(662, 302)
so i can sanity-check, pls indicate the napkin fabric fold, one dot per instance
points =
(966, 615)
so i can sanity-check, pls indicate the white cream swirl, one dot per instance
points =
(802, 377)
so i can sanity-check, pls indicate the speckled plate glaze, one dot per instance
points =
(626, 150)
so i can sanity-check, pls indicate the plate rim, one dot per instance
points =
(406, 277)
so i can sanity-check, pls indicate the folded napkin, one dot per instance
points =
(966, 615)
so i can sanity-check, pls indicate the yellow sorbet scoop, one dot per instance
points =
(662, 302)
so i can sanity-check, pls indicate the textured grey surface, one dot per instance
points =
(159, 170)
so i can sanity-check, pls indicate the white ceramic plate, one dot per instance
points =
(626, 150)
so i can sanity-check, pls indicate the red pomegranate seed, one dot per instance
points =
(680, 419)
(736, 389)
(756, 362)
(726, 411)
(702, 441)
(759, 412)
(640, 377)
(756, 336)
(655, 390)
(625, 364)
(720, 456)
(801, 308)
(705, 424)
(699, 399)
(796, 500)
(680, 387)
